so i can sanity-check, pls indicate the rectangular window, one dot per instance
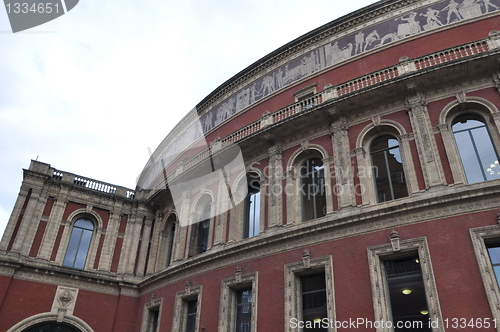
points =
(187, 308)
(494, 253)
(238, 299)
(311, 293)
(151, 316)
(191, 315)
(402, 281)
(243, 310)
(487, 239)
(314, 305)
(407, 294)
(153, 320)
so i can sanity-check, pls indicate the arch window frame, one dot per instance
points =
(472, 132)
(387, 169)
(75, 239)
(200, 232)
(292, 190)
(252, 207)
(366, 187)
(312, 189)
(473, 106)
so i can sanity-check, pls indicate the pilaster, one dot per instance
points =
(53, 224)
(14, 217)
(29, 221)
(275, 187)
(342, 165)
(426, 142)
(108, 248)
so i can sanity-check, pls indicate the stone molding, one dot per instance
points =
(32, 321)
(227, 305)
(180, 306)
(479, 236)
(293, 296)
(380, 290)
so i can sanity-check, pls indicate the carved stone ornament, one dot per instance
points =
(498, 217)
(306, 258)
(238, 274)
(461, 97)
(65, 298)
(189, 284)
(64, 301)
(395, 241)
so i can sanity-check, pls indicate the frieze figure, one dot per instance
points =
(452, 9)
(410, 28)
(432, 19)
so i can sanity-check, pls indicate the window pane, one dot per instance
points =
(191, 316)
(74, 240)
(83, 249)
(390, 181)
(407, 294)
(479, 159)
(85, 224)
(204, 227)
(487, 154)
(254, 215)
(79, 244)
(494, 253)
(314, 304)
(243, 310)
(312, 189)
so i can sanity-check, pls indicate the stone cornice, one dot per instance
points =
(56, 275)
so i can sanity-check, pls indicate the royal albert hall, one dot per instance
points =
(348, 181)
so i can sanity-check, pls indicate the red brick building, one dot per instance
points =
(348, 181)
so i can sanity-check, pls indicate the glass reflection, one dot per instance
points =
(479, 158)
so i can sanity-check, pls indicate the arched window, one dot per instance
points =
(312, 189)
(171, 221)
(200, 230)
(252, 207)
(390, 181)
(51, 327)
(478, 155)
(79, 244)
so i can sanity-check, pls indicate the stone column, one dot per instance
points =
(342, 164)
(452, 154)
(53, 224)
(426, 142)
(276, 191)
(181, 242)
(366, 183)
(143, 249)
(130, 244)
(224, 201)
(108, 247)
(14, 217)
(30, 221)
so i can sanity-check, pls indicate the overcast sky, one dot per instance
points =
(91, 91)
